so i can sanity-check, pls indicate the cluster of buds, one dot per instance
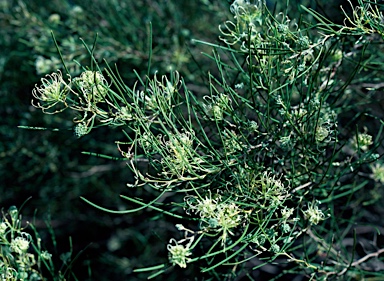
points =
(362, 141)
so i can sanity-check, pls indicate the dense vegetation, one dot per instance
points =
(203, 140)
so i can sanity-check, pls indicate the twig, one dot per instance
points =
(363, 259)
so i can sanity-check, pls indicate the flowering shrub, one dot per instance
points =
(261, 159)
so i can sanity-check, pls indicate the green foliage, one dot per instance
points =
(49, 164)
(22, 256)
(265, 163)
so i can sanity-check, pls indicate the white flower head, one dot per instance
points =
(228, 216)
(3, 228)
(378, 172)
(178, 254)
(52, 91)
(93, 85)
(207, 208)
(362, 141)
(313, 214)
(20, 245)
(45, 255)
(286, 213)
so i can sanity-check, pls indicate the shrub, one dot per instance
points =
(262, 166)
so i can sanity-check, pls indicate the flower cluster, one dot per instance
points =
(326, 121)
(178, 254)
(267, 188)
(82, 94)
(180, 153)
(232, 142)
(20, 244)
(81, 129)
(215, 215)
(315, 117)
(160, 94)
(313, 214)
(17, 261)
(272, 188)
(361, 141)
(246, 28)
(53, 91)
(378, 172)
(93, 86)
(215, 106)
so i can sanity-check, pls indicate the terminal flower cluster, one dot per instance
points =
(178, 254)
(216, 215)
